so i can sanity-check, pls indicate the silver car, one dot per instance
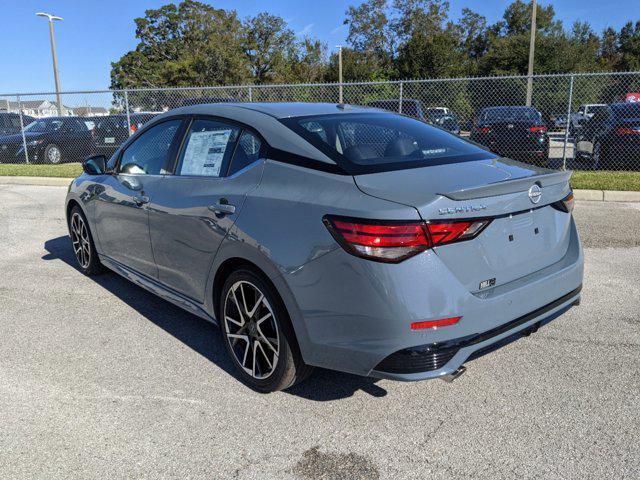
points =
(333, 236)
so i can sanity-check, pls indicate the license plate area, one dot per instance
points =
(109, 140)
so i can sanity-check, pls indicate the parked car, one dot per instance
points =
(515, 132)
(414, 108)
(611, 138)
(10, 123)
(49, 140)
(111, 131)
(589, 109)
(332, 236)
(410, 106)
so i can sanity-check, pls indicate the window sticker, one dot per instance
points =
(205, 152)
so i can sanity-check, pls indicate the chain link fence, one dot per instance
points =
(575, 121)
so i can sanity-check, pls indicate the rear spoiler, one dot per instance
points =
(509, 186)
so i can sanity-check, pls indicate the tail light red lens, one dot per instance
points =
(443, 322)
(394, 241)
(483, 130)
(133, 128)
(538, 129)
(627, 131)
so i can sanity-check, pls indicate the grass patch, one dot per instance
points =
(66, 170)
(606, 181)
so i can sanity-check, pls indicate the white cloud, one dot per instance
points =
(338, 29)
(306, 30)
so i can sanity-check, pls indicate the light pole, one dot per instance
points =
(339, 47)
(532, 49)
(55, 57)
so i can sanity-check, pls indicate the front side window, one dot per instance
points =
(148, 155)
(373, 142)
(208, 148)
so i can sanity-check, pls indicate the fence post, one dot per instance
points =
(250, 95)
(400, 99)
(126, 106)
(24, 140)
(566, 129)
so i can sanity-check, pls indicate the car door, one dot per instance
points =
(588, 133)
(123, 198)
(197, 206)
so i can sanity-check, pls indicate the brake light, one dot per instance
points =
(443, 322)
(483, 130)
(394, 241)
(566, 204)
(627, 131)
(133, 128)
(538, 129)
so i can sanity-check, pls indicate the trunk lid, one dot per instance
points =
(523, 237)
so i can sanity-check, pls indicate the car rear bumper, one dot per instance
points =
(356, 314)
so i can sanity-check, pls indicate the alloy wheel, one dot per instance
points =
(54, 155)
(80, 240)
(251, 329)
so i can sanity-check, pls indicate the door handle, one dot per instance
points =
(222, 208)
(140, 200)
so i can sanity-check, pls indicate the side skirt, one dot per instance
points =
(157, 288)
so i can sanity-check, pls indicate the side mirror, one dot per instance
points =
(96, 165)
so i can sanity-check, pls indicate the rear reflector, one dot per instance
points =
(443, 322)
(394, 241)
(538, 129)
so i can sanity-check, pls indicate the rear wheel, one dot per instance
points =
(82, 243)
(53, 154)
(257, 333)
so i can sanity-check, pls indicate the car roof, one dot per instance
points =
(265, 118)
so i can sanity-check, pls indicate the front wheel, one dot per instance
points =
(53, 154)
(258, 335)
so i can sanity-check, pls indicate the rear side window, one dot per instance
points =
(373, 142)
(149, 153)
(208, 148)
(247, 152)
(13, 121)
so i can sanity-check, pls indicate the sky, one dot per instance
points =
(95, 33)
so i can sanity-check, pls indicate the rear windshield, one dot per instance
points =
(374, 142)
(509, 114)
(628, 110)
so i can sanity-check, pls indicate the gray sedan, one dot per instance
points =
(334, 236)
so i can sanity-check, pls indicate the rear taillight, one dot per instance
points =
(538, 129)
(394, 241)
(483, 130)
(133, 128)
(627, 131)
(565, 205)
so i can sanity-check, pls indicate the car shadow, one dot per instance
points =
(204, 337)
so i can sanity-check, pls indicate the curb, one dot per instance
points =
(606, 195)
(590, 195)
(41, 181)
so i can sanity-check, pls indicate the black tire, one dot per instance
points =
(275, 362)
(50, 155)
(82, 243)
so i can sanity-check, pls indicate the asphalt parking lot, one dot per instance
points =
(100, 379)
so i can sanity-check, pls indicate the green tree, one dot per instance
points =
(186, 44)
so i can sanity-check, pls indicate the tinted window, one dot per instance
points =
(40, 126)
(247, 152)
(13, 121)
(510, 115)
(148, 154)
(628, 110)
(364, 143)
(208, 148)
